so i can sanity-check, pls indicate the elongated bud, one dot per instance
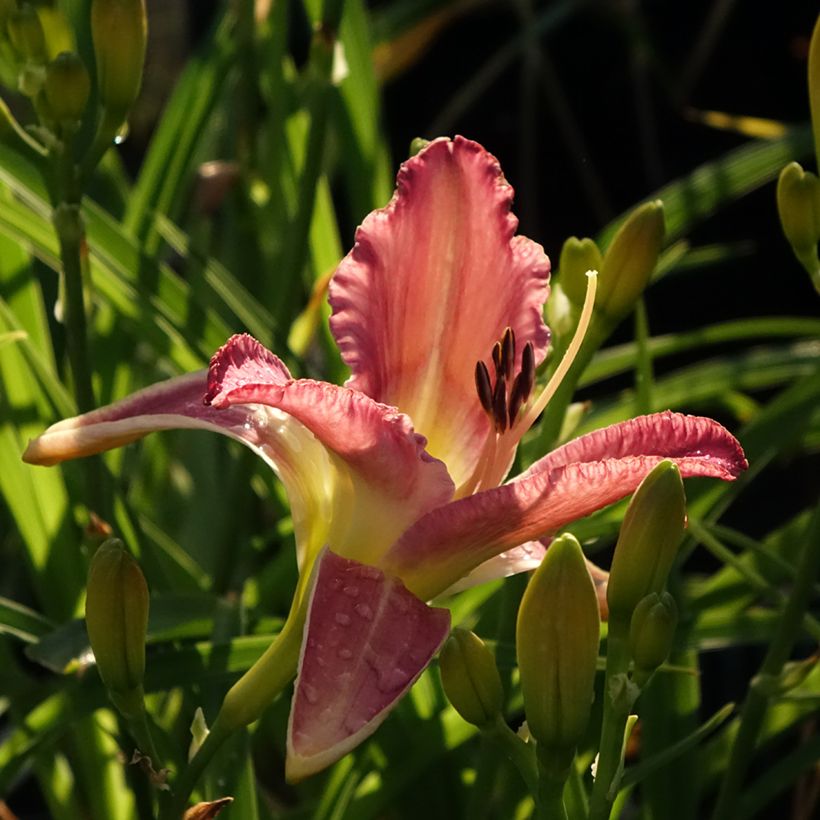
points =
(798, 203)
(26, 34)
(116, 615)
(557, 637)
(630, 260)
(651, 634)
(67, 87)
(470, 677)
(577, 257)
(648, 543)
(119, 30)
(814, 86)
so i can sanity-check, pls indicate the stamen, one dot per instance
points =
(522, 386)
(483, 387)
(497, 360)
(508, 352)
(500, 403)
(537, 407)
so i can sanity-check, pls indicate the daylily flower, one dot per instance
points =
(437, 310)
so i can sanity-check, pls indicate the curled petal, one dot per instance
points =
(350, 465)
(449, 542)
(366, 641)
(667, 434)
(433, 281)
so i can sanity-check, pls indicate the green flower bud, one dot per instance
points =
(470, 677)
(119, 31)
(557, 638)
(26, 34)
(648, 543)
(57, 30)
(67, 87)
(798, 203)
(630, 260)
(577, 257)
(651, 634)
(417, 144)
(116, 615)
(814, 86)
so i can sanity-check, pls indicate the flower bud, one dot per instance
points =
(470, 677)
(67, 87)
(651, 634)
(577, 257)
(116, 615)
(814, 86)
(630, 260)
(119, 30)
(557, 638)
(26, 34)
(798, 203)
(648, 543)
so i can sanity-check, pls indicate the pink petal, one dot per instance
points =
(367, 640)
(430, 285)
(672, 435)
(356, 473)
(392, 479)
(450, 541)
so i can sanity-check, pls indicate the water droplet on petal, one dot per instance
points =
(365, 611)
(310, 692)
(345, 653)
(351, 591)
(342, 618)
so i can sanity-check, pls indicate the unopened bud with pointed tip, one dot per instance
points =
(470, 678)
(67, 87)
(651, 634)
(648, 542)
(557, 636)
(577, 257)
(798, 203)
(116, 615)
(119, 31)
(630, 260)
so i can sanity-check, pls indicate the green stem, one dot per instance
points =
(553, 770)
(244, 703)
(68, 224)
(617, 705)
(517, 751)
(757, 699)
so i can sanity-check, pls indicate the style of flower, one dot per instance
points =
(437, 311)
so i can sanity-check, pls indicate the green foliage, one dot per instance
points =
(240, 201)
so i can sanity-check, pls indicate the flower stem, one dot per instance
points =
(518, 752)
(757, 699)
(243, 704)
(68, 224)
(553, 770)
(617, 704)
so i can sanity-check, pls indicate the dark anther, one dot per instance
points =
(508, 352)
(497, 359)
(527, 370)
(500, 404)
(484, 387)
(522, 386)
